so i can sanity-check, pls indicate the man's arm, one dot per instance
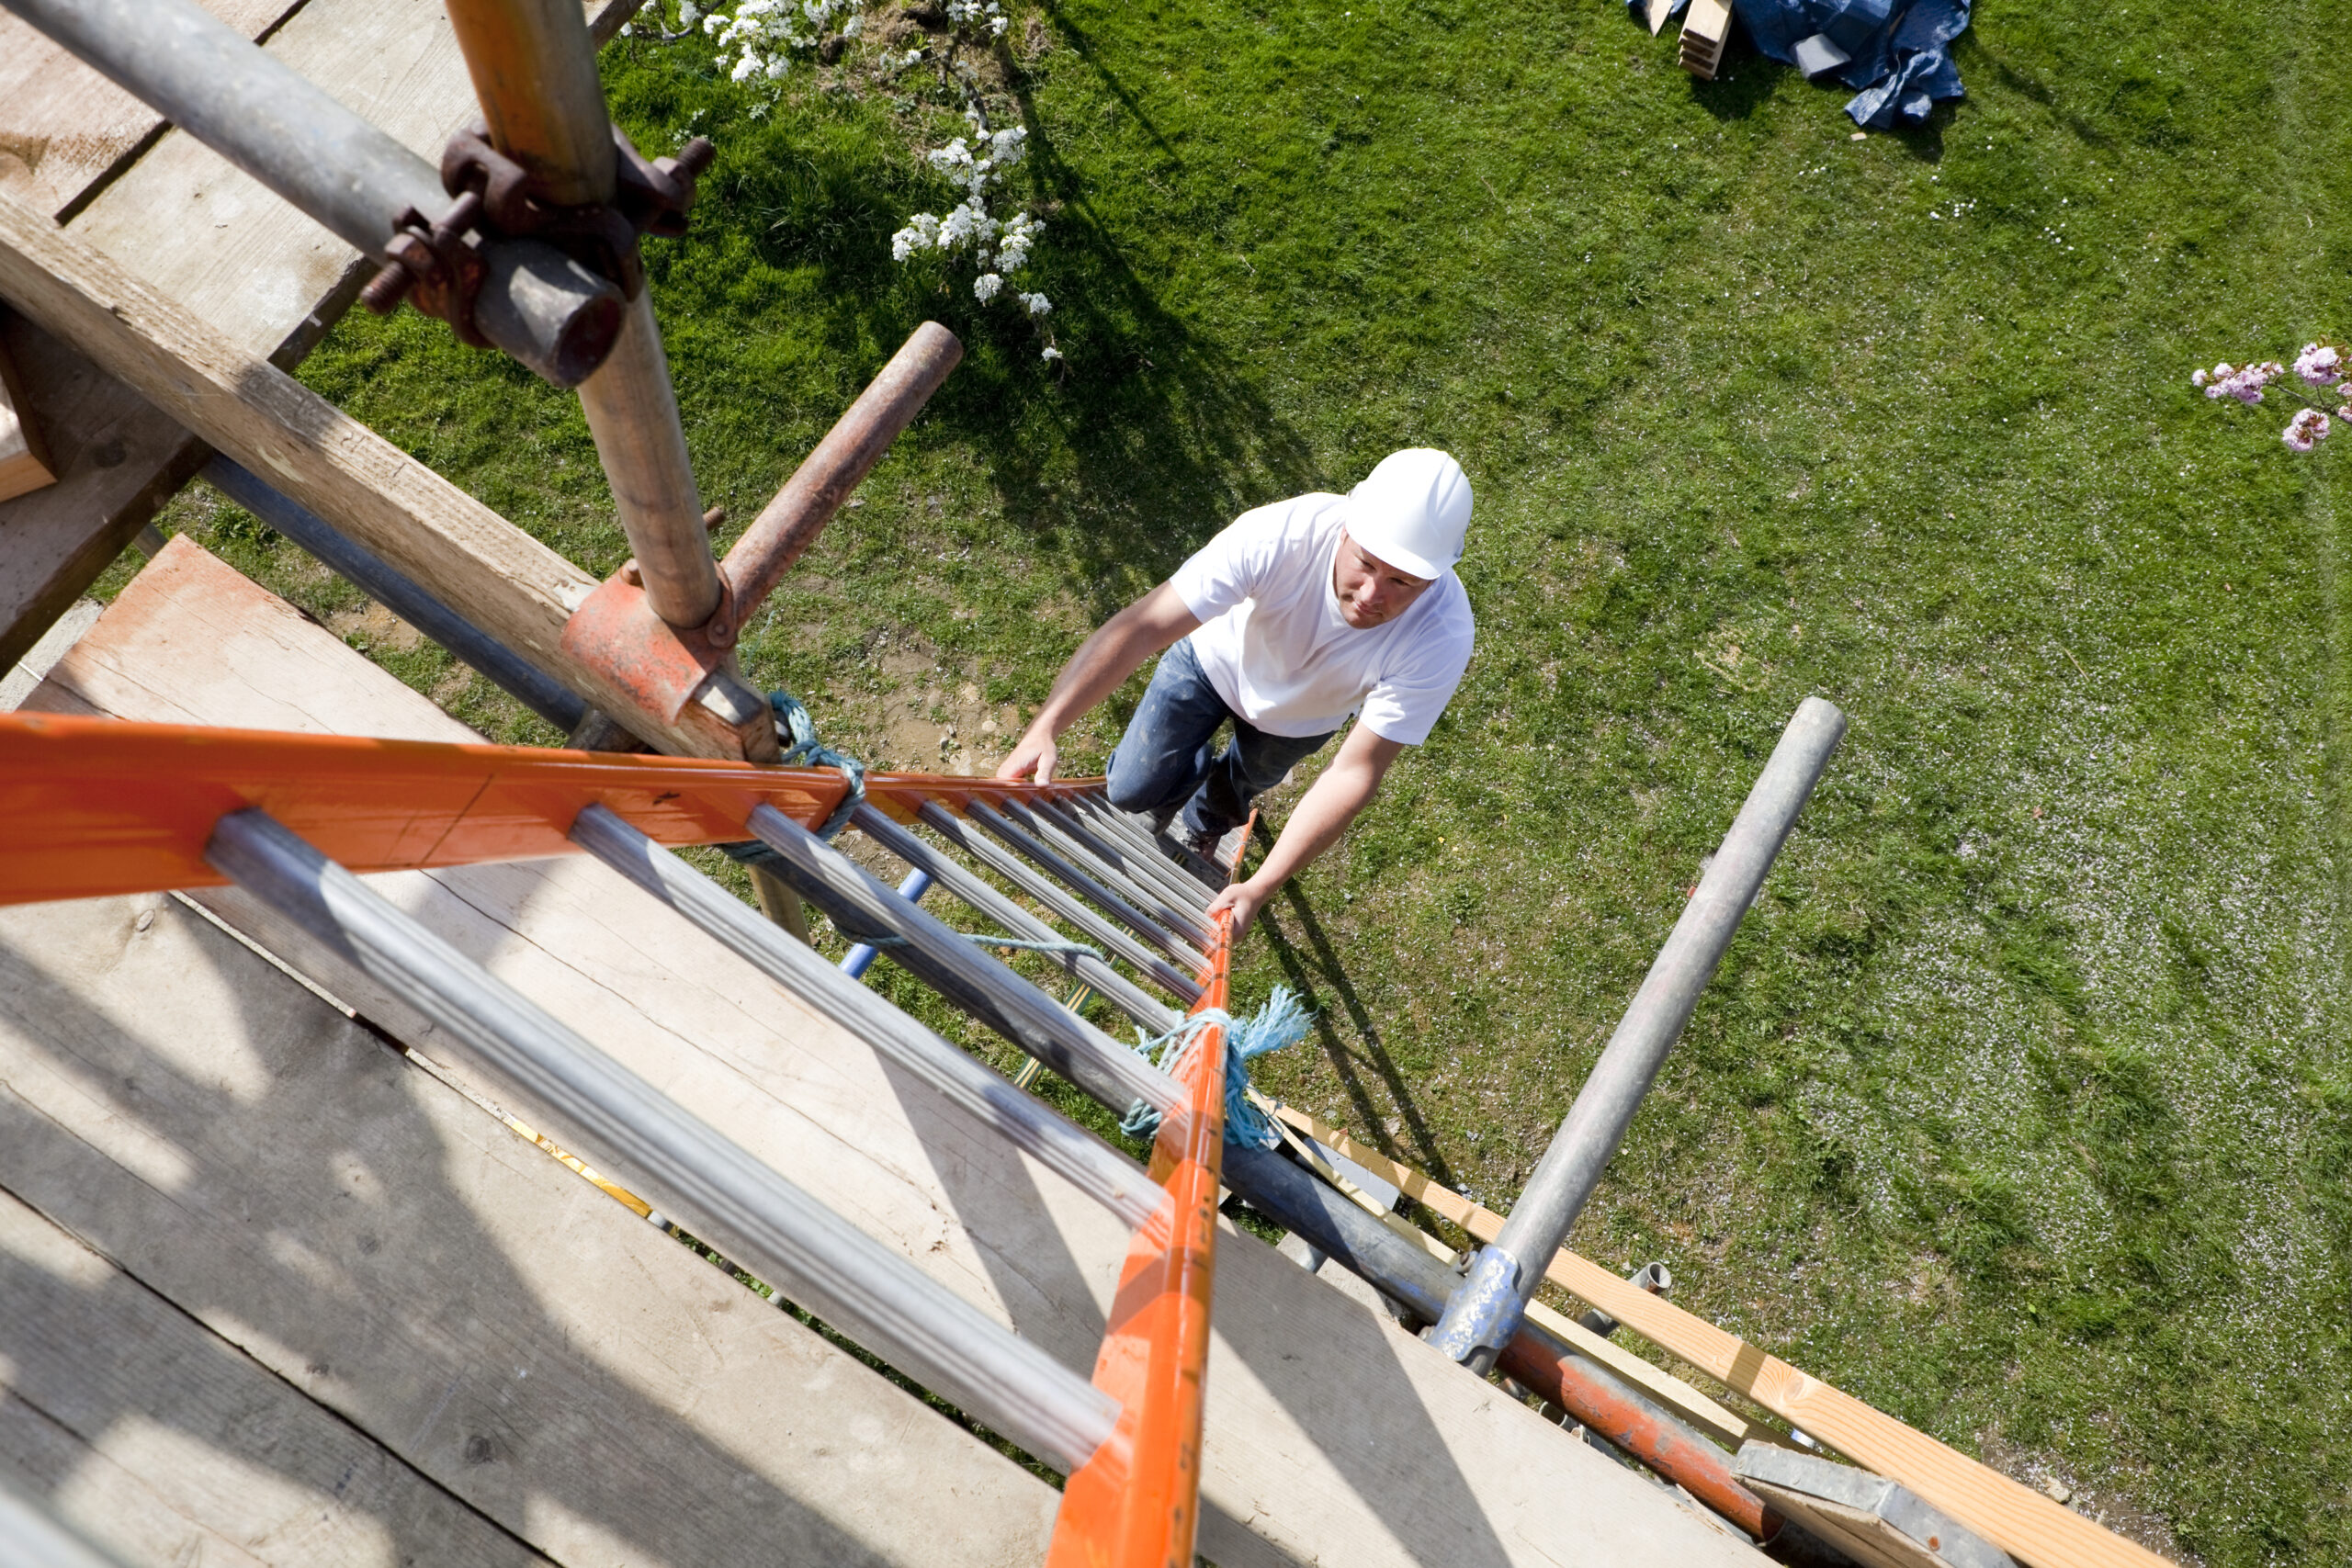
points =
(1346, 787)
(1100, 664)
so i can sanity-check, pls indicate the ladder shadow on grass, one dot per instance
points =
(1311, 965)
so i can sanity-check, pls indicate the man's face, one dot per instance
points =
(1371, 592)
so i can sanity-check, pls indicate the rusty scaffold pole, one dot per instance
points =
(534, 69)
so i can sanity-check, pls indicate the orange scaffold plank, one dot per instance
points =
(1136, 1503)
(92, 807)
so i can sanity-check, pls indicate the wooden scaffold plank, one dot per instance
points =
(463, 1301)
(165, 1442)
(234, 255)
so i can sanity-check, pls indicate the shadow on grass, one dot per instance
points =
(1321, 962)
(1125, 457)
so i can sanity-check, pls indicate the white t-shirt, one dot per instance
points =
(1274, 644)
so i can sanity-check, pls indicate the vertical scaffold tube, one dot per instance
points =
(534, 69)
(1483, 1312)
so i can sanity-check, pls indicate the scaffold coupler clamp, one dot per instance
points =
(497, 198)
(1484, 1312)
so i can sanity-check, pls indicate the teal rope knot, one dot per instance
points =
(792, 718)
(1281, 1021)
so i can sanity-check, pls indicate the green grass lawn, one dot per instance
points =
(2021, 1107)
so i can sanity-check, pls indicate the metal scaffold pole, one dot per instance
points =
(1485, 1311)
(534, 69)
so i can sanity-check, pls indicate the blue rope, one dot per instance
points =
(1283, 1021)
(792, 718)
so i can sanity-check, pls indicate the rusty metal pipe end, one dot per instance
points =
(788, 524)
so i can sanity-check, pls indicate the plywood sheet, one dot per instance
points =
(386, 1249)
(1332, 1436)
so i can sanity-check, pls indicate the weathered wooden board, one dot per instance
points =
(164, 1441)
(63, 127)
(1332, 1436)
(389, 1251)
(231, 251)
(117, 460)
(23, 454)
(2032, 1527)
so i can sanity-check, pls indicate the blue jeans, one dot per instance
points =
(1163, 762)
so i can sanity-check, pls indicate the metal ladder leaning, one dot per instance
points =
(95, 807)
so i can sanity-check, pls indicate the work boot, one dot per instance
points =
(1202, 843)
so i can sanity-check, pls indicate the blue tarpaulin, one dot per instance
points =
(1900, 53)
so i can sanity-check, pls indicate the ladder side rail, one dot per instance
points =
(1058, 866)
(97, 807)
(1062, 900)
(975, 981)
(1136, 1503)
(731, 1200)
(1060, 1145)
(986, 902)
(1144, 892)
(1154, 871)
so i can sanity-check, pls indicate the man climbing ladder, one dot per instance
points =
(1297, 618)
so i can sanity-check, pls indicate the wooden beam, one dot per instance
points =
(64, 129)
(24, 455)
(489, 572)
(1331, 1434)
(2021, 1521)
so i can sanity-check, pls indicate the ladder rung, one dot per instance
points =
(989, 904)
(1058, 1143)
(1055, 864)
(1059, 899)
(731, 1200)
(978, 982)
(1149, 867)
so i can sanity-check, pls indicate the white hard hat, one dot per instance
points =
(1412, 511)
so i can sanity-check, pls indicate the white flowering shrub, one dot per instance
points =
(2321, 366)
(758, 42)
(758, 39)
(995, 246)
